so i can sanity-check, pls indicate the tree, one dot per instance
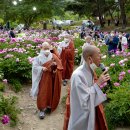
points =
(23, 11)
(123, 14)
(99, 8)
(89, 8)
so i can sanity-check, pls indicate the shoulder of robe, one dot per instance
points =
(58, 61)
(36, 58)
(54, 56)
(76, 75)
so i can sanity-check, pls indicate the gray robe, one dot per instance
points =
(37, 72)
(85, 95)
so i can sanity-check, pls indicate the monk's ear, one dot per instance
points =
(90, 59)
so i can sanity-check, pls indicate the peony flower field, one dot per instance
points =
(16, 56)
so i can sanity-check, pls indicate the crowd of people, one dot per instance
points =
(54, 67)
(114, 39)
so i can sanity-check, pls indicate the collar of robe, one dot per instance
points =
(43, 59)
(64, 44)
(87, 68)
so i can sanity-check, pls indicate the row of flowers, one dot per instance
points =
(16, 56)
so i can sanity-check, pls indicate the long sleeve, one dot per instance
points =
(87, 94)
(36, 76)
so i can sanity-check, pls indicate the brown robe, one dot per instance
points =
(100, 123)
(67, 58)
(54, 51)
(50, 86)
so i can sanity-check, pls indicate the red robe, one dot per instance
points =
(100, 123)
(67, 58)
(50, 85)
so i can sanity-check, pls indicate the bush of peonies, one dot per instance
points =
(16, 55)
(8, 110)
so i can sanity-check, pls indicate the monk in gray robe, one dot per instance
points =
(85, 95)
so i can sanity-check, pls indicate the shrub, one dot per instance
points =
(2, 87)
(118, 108)
(8, 107)
(78, 45)
(16, 85)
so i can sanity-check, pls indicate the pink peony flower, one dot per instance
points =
(8, 56)
(121, 77)
(5, 81)
(105, 94)
(117, 53)
(124, 54)
(116, 84)
(121, 62)
(5, 119)
(113, 64)
(128, 54)
(129, 71)
(30, 60)
(122, 73)
(103, 85)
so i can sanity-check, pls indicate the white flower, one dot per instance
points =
(104, 57)
(121, 62)
(113, 56)
(125, 59)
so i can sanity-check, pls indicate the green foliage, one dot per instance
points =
(8, 107)
(118, 108)
(16, 72)
(23, 12)
(2, 87)
(16, 85)
(63, 100)
(78, 45)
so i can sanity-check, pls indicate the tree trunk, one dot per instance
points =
(99, 13)
(26, 26)
(111, 14)
(45, 25)
(123, 14)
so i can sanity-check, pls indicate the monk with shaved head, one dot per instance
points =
(46, 80)
(88, 42)
(86, 111)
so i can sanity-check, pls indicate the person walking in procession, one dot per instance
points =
(46, 80)
(67, 51)
(86, 110)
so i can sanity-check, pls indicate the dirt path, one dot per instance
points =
(29, 115)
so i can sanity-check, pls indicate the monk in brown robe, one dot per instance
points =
(47, 77)
(67, 58)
